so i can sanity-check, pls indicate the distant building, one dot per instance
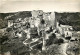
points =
(10, 23)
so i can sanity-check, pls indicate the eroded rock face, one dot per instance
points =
(57, 49)
(73, 48)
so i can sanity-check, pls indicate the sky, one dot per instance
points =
(46, 5)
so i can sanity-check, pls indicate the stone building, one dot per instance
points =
(10, 23)
(66, 30)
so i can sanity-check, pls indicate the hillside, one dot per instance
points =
(72, 19)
